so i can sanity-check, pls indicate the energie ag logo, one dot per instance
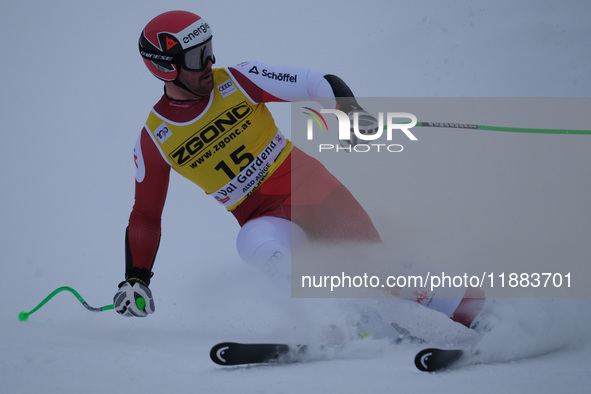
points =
(349, 130)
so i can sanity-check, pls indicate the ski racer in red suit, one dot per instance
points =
(213, 127)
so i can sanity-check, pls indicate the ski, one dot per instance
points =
(234, 353)
(433, 359)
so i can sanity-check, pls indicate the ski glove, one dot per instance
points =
(133, 299)
(366, 124)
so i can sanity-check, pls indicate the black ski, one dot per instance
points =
(233, 353)
(433, 359)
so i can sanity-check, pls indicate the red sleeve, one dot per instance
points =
(151, 187)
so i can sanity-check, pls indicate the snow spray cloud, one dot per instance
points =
(456, 207)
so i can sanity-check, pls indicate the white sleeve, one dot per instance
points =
(289, 83)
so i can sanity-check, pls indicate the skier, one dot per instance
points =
(213, 127)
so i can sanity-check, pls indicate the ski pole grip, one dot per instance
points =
(141, 303)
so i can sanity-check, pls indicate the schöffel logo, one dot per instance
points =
(348, 131)
(281, 77)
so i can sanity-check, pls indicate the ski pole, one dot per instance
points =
(23, 316)
(470, 126)
(501, 128)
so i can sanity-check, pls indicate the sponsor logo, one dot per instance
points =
(454, 125)
(162, 133)
(282, 77)
(226, 88)
(201, 29)
(210, 133)
(170, 42)
(156, 56)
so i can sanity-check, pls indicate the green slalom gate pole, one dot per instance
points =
(23, 316)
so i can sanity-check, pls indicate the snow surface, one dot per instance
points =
(75, 95)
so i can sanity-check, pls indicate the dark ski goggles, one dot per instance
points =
(197, 57)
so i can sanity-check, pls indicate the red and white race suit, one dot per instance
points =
(228, 144)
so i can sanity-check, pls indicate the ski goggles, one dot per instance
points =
(197, 57)
(192, 59)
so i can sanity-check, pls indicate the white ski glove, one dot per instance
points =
(367, 125)
(133, 299)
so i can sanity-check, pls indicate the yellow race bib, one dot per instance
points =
(229, 149)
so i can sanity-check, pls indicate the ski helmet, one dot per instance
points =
(176, 39)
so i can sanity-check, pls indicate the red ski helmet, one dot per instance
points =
(176, 39)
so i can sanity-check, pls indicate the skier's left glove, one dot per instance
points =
(133, 298)
(366, 123)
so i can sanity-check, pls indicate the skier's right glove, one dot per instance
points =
(133, 299)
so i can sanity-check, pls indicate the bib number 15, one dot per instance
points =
(239, 158)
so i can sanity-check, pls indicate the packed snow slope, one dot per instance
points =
(75, 95)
